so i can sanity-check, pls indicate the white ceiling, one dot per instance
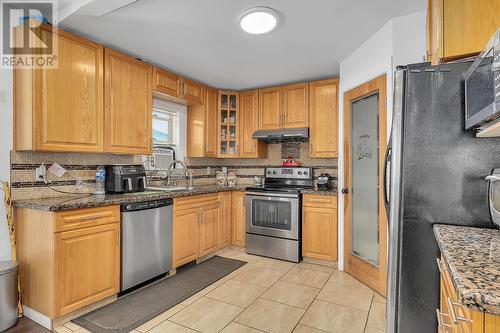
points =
(201, 39)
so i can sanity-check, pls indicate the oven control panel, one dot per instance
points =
(289, 173)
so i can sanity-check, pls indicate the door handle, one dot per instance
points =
(345, 190)
(387, 165)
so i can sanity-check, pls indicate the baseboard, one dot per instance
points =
(37, 317)
(327, 263)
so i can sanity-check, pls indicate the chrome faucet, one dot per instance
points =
(188, 175)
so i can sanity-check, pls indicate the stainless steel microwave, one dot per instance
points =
(494, 196)
(482, 87)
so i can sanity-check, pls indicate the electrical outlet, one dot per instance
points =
(41, 173)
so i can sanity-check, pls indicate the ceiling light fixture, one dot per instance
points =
(259, 20)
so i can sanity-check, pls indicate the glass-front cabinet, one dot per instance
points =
(228, 124)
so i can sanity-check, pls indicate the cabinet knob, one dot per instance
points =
(345, 190)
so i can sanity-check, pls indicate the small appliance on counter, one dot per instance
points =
(290, 162)
(324, 182)
(125, 178)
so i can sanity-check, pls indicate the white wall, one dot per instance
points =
(5, 147)
(400, 41)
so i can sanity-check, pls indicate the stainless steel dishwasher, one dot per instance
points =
(146, 238)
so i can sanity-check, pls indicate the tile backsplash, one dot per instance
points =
(81, 167)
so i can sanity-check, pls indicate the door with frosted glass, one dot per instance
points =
(365, 238)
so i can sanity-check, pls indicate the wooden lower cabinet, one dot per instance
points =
(238, 202)
(185, 236)
(225, 219)
(319, 227)
(467, 320)
(196, 227)
(87, 266)
(63, 271)
(209, 229)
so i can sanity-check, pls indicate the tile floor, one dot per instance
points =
(268, 295)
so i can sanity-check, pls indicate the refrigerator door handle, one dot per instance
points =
(387, 179)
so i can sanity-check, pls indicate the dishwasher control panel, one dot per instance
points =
(146, 205)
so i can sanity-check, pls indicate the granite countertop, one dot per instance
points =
(473, 259)
(69, 202)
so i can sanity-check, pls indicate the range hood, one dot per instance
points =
(283, 135)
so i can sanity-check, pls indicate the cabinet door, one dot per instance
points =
(69, 100)
(196, 130)
(296, 105)
(128, 99)
(225, 220)
(192, 92)
(270, 115)
(319, 233)
(238, 208)
(228, 124)
(209, 229)
(323, 120)
(468, 25)
(166, 83)
(185, 236)
(211, 98)
(435, 30)
(249, 123)
(87, 266)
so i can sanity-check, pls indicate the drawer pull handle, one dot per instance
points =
(454, 316)
(440, 320)
(90, 217)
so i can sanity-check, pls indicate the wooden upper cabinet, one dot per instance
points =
(249, 122)
(173, 85)
(323, 118)
(166, 82)
(128, 109)
(270, 114)
(460, 28)
(192, 92)
(296, 105)
(211, 100)
(228, 124)
(61, 109)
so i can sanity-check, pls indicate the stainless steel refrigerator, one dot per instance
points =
(434, 174)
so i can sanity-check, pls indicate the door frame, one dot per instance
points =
(374, 277)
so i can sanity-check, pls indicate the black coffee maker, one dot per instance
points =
(324, 182)
(125, 178)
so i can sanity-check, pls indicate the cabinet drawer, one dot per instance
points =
(88, 217)
(459, 316)
(324, 201)
(195, 201)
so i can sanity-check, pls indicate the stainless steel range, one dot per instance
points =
(273, 213)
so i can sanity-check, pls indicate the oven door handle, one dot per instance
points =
(274, 195)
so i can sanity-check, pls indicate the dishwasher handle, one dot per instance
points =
(152, 204)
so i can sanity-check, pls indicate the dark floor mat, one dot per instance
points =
(134, 309)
